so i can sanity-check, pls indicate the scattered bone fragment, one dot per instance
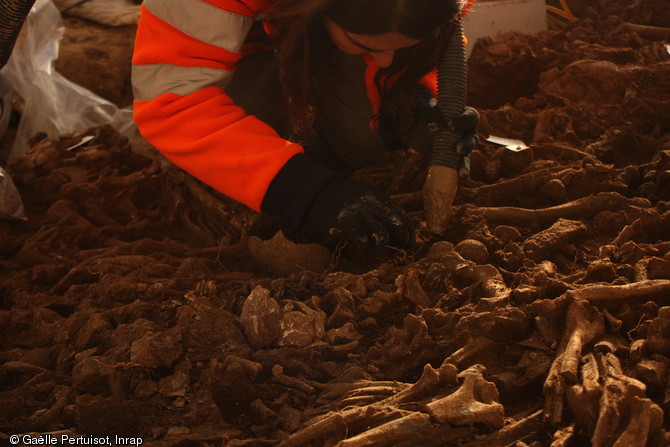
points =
(612, 405)
(542, 245)
(505, 188)
(346, 333)
(506, 234)
(445, 253)
(547, 331)
(383, 400)
(473, 250)
(563, 436)
(262, 412)
(365, 390)
(438, 435)
(390, 433)
(555, 190)
(653, 372)
(412, 288)
(338, 424)
(649, 32)
(284, 256)
(522, 428)
(382, 421)
(426, 385)
(278, 376)
(645, 420)
(628, 233)
(584, 398)
(652, 268)
(626, 416)
(657, 341)
(584, 324)
(340, 305)
(623, 292)
(583, 208)
(532, 368)
(476, 401)
(470, 351)
(299, 324)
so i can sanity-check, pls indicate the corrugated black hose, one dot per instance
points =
(451, 94)
(441, 184)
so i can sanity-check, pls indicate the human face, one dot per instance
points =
(381, 47)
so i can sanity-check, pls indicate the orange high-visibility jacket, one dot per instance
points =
(185, 55)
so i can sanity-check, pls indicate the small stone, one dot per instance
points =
(300, 325)
(260, 318)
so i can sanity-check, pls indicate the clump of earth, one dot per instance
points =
(136, 301)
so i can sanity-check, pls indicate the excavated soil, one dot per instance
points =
(135, 301)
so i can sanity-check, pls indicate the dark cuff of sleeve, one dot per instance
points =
(294, 188)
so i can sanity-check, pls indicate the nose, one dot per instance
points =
(383, 58)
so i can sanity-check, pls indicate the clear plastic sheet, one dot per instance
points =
(11, 205)
(52, 103)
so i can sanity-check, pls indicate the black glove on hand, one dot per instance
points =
(467, 123)
(361, 213)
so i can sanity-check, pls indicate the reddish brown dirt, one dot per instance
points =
(137, 302)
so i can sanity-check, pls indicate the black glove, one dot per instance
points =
(405, 128)
(361, 213)
(467, 123)
(415, 129)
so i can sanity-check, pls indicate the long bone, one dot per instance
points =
(584, 324)
(625, 416)
(373, 415)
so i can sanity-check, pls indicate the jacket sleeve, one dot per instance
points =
(185, 55)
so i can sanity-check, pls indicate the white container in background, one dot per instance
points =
(490, 18)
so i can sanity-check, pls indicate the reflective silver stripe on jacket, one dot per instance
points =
(201, 21)
(150, 81)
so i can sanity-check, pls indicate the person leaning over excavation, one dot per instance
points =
(269, 101)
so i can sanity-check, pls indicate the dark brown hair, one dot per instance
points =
(304, 46)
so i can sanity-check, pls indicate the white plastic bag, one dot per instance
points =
(52, 103)
(105, 12)
(11, 205)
